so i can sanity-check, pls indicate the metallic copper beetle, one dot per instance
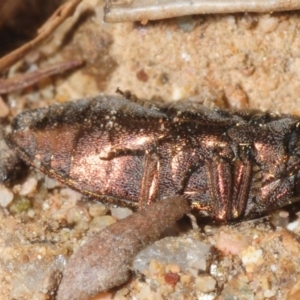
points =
(229, 165)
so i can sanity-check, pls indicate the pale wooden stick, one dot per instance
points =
(141, 10)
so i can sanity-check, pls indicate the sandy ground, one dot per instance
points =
(237, 61)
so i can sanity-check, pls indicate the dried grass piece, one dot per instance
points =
(27, 79)
(62, 13)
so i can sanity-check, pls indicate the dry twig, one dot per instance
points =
(51, 24)
(2, 4)
(27, 79)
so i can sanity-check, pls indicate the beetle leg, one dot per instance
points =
(241, 185)
(192, 166)
(149, 183)
(274, 195)
(220, 182)
(230, 184)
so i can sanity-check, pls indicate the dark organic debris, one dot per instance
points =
(10, 163)
(104, 261)
(28, 79)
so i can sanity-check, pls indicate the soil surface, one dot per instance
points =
(235, 61)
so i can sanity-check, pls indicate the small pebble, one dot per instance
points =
(28, 187)
(20, 205)
(171, 278)
(172, 268)
(101, 222)
(273, 268)
(4, 109)
(51, 183)
(31, 213)
(6, 196)
(251, 257)
(82, 226)
(205, 284)
(185, 279)
(122, 293)
(268, 24)
(120, 212)
(236, 97)
(186, 23)
(293, 225)
(103, 296)
(279, 218)
(71, 195)
(232, 243)
(156, 269)
(188, 254)
(142, 76)
(77, 214)
(97, 209)
(269, 293)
